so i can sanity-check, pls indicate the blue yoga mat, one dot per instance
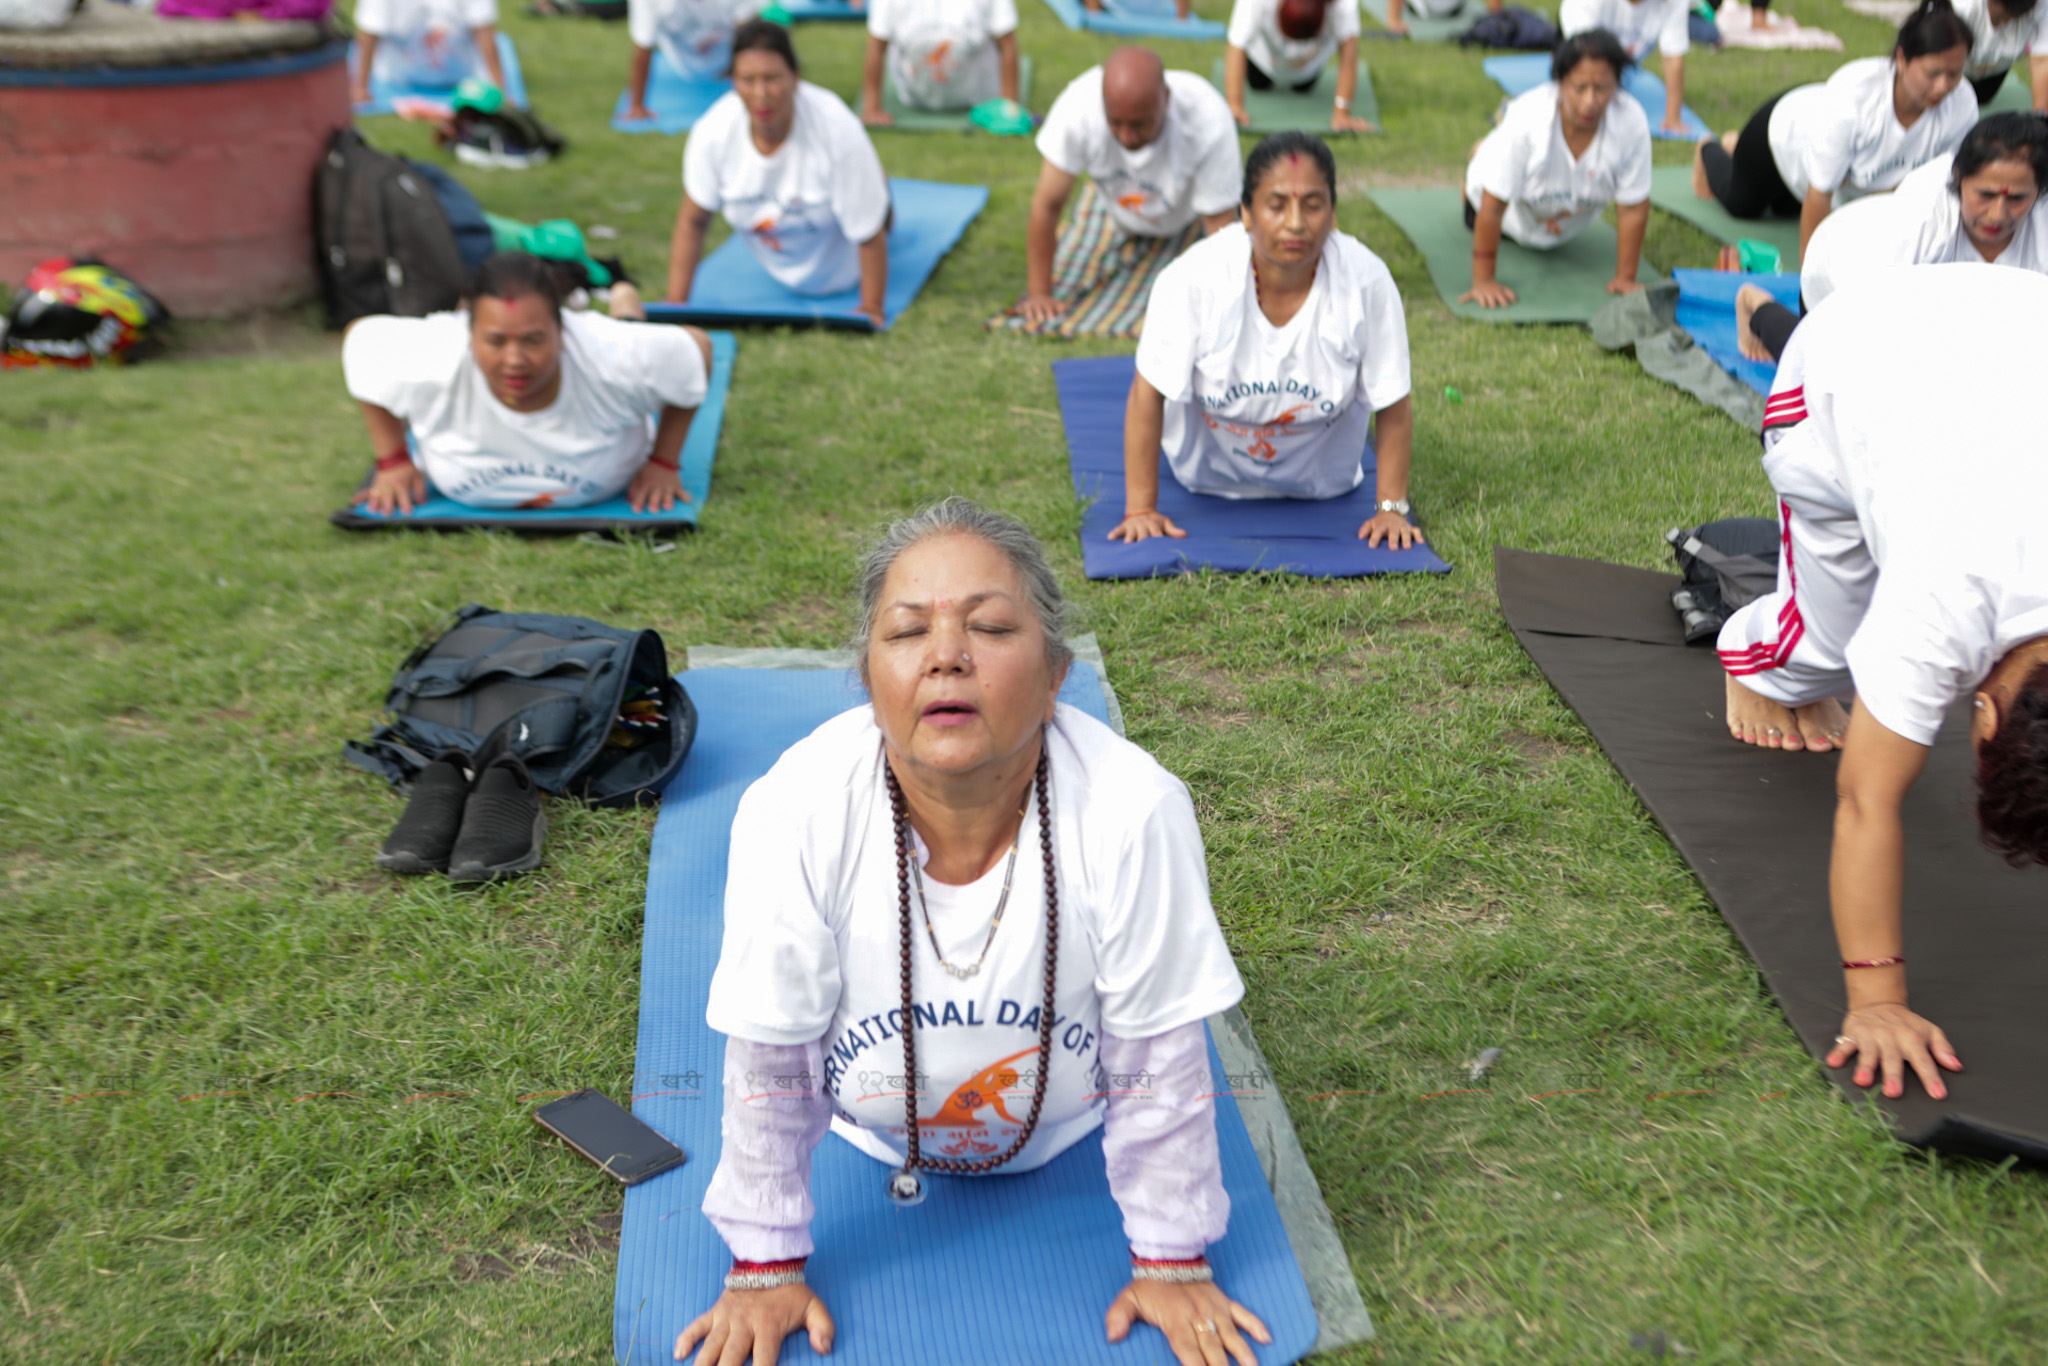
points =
(700, 448)
(732, 287)
(808, 11)
(1136, 19)
(1527, 70)
(383, 92)
(1317, 537)
(994, 1271)
(677, 101)
(1706, 310)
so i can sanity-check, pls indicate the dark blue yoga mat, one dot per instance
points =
(732, 287)
(383, 92)
(995, 1271)
(677, 101)
(1527, 70)
(1136, 19)
(700, 448)
(1706, 310)
(1317, 537)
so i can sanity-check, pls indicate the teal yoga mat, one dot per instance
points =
(383, 92)
(1282, 111)
(1671, 191)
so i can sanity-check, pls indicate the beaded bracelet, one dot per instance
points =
(393, 460)
(1192, 1271)
(764, 1275)
(1873, 962)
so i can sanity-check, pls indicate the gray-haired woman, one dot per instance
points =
(964, 926)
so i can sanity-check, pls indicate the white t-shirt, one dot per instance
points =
(1844, 136)
(1190, 170)
(1920, 223)
(694, 35)
(1640, 24)
(812, 949)
(425, 43)
(1255, 30)
(1551, 195)
(806, 209)
(1258, 411)
(1946, 606)
(942, 53)
(1993, 49)
(583, 448)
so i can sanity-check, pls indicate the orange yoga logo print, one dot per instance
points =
(1260, 436)
(939, 60)
(961, 1113)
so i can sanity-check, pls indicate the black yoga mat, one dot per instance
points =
(1756, 825)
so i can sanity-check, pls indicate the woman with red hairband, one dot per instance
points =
(1288, 43)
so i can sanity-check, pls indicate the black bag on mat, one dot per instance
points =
(1727, 564)
(383, 240)
(592, 709)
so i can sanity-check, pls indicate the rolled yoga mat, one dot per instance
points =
(733, 288)
(1527, 70)
(1316, 537)
(383, 92)
(700, 448)
(1671, 191)
(1756, 826)
(993, 1271)
(1564, 285)
(1137, 19)
(1284, 111)
(676, 101)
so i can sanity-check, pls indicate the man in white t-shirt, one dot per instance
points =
(1874, 447)
(693, 36)
(2001, 31)
(1161, 149)
(1641, 25)
(424, 44)
(939, 54)
(515, 404)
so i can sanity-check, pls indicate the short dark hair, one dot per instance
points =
(760, 35)
(2012, 777)
(1301, 20)
(2003, 137)
(1933, 27)
(509, 275)
(2015, 8)
(1276, 145)
(1590, 45)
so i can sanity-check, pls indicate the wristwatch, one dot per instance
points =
(1400, 505)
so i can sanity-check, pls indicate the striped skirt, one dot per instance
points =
(1103, 274)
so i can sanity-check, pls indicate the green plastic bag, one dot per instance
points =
(1759, 258)
(1004, 118)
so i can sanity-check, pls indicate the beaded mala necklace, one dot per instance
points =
(906, 1187)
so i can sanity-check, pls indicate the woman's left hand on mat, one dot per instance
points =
(398, 489)
(1201, 1323)
(749, 1325)
(1620, 286)
(1137, 526)
(656, 488)
(1344, 121)
(1397, 531)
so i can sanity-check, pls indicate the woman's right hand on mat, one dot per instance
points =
(751, 1324)
(1041, 308)
(1138, 526)
(1202, 1324)
(398, 489)
(639, 113)
(1889, 1038)
(878, 117)
(1488, 294)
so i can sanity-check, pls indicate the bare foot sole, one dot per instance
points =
(1748, 300)
(1756, 720)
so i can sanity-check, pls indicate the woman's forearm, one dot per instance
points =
(1234, 62)
(1144, 425)
(486, 38)
(685, 248)
(387, 430)
(1159, 1141)
(871, 76)
(774, 1114)
(874, 273)
(1393, 443)
(1012, 70)
(1347, 73)
(1633, 222)
(1486, 237)
(636, 77)
(1817, 206)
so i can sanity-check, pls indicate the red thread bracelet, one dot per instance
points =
(791, 1264)
(393, 460)
(1874, 963)
(665, 464)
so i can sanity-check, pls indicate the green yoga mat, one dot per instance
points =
(1671, 191)
(910, 120)
(1568, 285)
(1283, 111)
(2016, 96)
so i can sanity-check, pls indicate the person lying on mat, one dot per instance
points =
(1868, 602)
(940, 55)
(1561, 154)
(1641, 25)
(424, 44)
(1161, 149)
(1288, 43)
(1268, 350)
(2000, 31)
(964, 926)
(1397, 17)
(1814, 148)
(693, 36)
(794, 173)
(1983, 204)
(515, 404)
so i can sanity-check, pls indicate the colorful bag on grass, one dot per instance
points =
(78, 313)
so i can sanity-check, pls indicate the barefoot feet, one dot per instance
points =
(1748, 300)
(1756, 720)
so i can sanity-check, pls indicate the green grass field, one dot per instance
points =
(1417, 851)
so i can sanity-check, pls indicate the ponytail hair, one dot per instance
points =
(2003, 137)
(1933, 27)
(1590, 45)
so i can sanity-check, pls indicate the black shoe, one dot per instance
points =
(502, 827)
(424, 835)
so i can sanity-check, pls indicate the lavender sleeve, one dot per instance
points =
(1159, 1139)
(774, 1115)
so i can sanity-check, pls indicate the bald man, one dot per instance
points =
(1160, 150)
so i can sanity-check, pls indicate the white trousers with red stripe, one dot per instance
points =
(1791, 645)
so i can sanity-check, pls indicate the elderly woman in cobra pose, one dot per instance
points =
(958, 865)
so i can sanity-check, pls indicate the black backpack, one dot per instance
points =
(1514, 27)
(592, 709)
(382, 237)
(1727, 564)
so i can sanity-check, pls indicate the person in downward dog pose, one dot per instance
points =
(795, 175)
(693, 36)
(918, 892)
(1983, 204)
(1641, 25)
(1913, 623)
(2000, 30)
(1560, 155)
(1267, 351)
(939, 54)
(1288, 43)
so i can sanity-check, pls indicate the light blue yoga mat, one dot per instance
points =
(1136, 19)
(807, 11)
(1706, 310)
(1525, 71)
(677, 101)
(383, 92)
(991, 1271)
(700, 448)
(733, 288)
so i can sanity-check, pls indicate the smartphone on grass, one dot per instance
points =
(593, 1124)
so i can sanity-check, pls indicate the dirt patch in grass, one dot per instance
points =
(579, 1246)
(1535, 748)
